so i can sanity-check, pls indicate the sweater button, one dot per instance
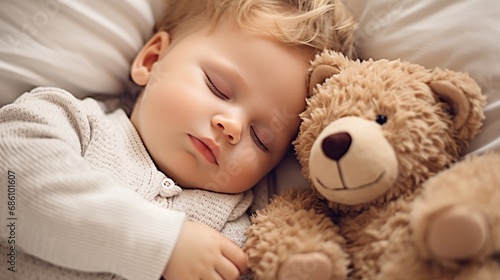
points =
(167, 184)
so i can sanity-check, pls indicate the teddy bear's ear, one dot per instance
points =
(450, 94)
(324, 66)
(464, 98)
(319, 75)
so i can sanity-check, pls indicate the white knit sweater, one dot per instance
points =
(89, 198)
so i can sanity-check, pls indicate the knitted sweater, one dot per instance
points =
(86, 196)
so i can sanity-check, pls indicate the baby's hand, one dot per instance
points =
(204, 253)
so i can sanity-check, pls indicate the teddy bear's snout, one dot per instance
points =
(352, 162)
(335, 146)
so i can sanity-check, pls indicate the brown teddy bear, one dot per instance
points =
(376, 142)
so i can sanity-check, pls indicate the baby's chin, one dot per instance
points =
(221, 182)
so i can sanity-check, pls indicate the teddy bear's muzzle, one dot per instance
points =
(351, 162)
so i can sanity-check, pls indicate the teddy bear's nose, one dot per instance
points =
(336, 145)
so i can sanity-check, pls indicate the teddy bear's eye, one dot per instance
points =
(381, 119)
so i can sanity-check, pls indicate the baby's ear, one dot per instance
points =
(324, 66)
(150, 53)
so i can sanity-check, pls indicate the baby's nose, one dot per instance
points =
(230, 126)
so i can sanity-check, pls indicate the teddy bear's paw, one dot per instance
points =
(457, 233)
(307, 266)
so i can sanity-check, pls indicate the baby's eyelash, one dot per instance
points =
(257, 141)
(215, 90)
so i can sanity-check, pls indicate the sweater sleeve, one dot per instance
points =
(66, 212)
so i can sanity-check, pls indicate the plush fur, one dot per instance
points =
(376, 142)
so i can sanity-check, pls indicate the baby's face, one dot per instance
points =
(220, 109)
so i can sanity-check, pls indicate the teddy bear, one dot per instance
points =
(390, 197)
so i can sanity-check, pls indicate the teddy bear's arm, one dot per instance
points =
(293, 237)
(454, 226)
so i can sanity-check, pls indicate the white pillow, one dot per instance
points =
(84, 46)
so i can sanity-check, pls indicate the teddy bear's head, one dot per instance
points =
(375, 130)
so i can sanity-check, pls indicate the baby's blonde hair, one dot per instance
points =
(310, 24)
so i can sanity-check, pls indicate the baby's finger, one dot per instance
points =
(213, 275)
(227, 269)
(236, 255)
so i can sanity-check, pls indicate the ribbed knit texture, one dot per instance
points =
(88, 196)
